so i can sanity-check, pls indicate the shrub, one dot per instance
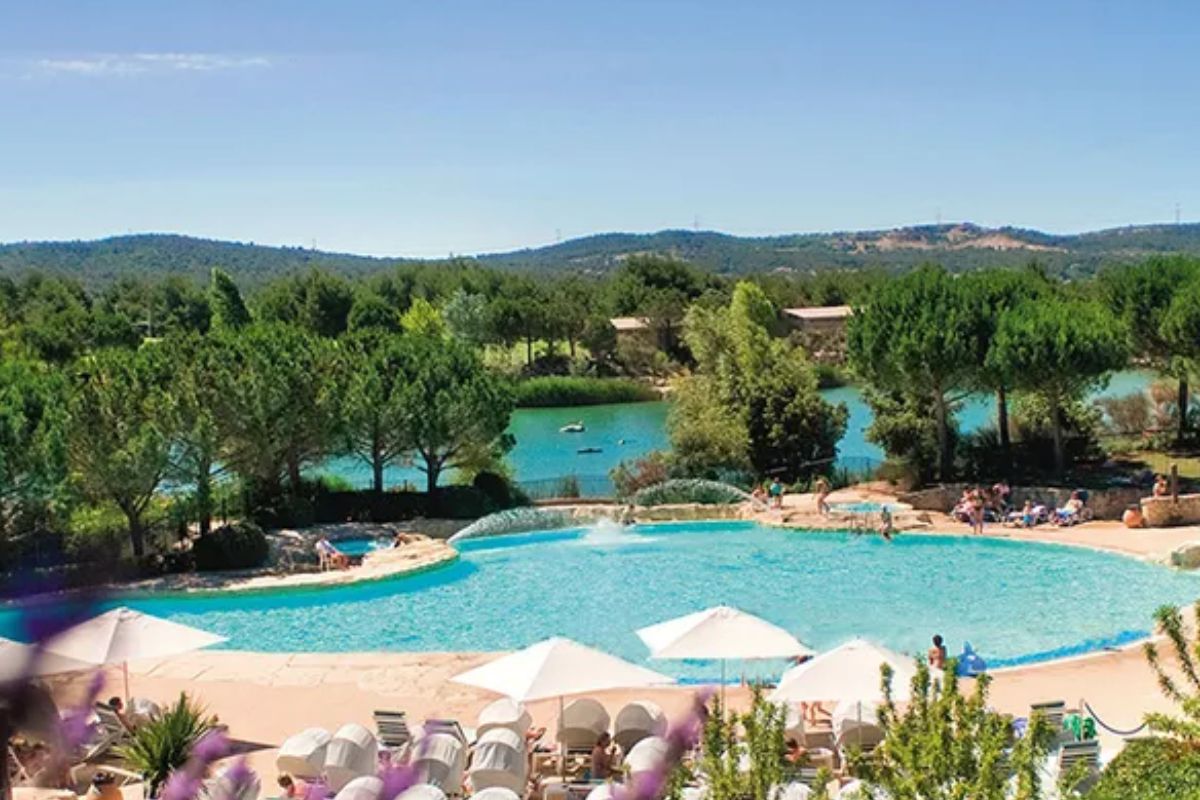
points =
(650, 469)
(1127, 414)
(239, 545)
(164, 743)
(689, 491)
(580, 391)
(495, 487)
(569, 487)
(1151, 769)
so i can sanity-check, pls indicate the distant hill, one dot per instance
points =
(961, 246)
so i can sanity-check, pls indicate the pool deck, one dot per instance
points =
(419, 555)
(266, 697)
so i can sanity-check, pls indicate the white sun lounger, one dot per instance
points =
(500, 761)
(439, 759)
(583, 721)
(368, 787)
(647, 755)
(496, 793)
(504, 713)
(303, 755)
(422, 791)
(636, 721)
(352, 753)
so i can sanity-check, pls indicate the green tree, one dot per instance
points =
(121, 432)
(374, 372)
(1179, 331)
(993, 292)
(1058, 351)
(278, 402)
(197, 397)
(454, 408)
(33, 465)
(372, 311)
(753, 398)
(947, 744)
(916, 335)
(228, 308)
(466, 315)
(423, 319)
(1181, 687)
(1141, 295)
(317, 300)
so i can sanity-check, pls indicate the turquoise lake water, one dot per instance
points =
(1013, 601)
(623, 432)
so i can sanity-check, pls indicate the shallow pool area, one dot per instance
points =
(1015, 602)
(360, 546)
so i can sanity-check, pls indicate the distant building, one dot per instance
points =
(634, 329)
(818, 319)
(821, 330)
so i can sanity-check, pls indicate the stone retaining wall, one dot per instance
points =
(1167, 512)
(1105, 503)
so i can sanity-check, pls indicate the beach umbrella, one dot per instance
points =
(558, 667)
(19, 660)
(721, 633)
(123, 635)
(849, 672)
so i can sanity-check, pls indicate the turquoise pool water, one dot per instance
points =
(864, 507)
(360, 546)
(1013, 601)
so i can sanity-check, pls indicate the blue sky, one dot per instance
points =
(424, 128)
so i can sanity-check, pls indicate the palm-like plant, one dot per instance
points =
(165, 742)
(1184, 689)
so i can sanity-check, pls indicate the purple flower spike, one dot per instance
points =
(212, 746)
(181, 785)
(76, 726)
(396, 779)
(236, 782)
(317, 790)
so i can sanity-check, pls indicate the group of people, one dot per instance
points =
(978, 504)
(769, 494)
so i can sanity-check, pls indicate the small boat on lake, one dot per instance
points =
(588, 450)
(572, 427)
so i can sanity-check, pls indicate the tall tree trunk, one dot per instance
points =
(1002, 426)
(377, 473)
(137, 536)
(529, 351)
(945, 464)
(293, 471)
(1056, 426)
(1182, 403)
(571, 345)
(433, 469)
(204, 499)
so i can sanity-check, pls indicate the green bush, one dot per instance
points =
(689, 491)
(1151, 769)
(239, 545)
(547, 391)
(630, 477)
(164, 743)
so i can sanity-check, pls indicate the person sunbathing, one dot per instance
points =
(1069, 513)
(331, 555)
(602, 758)
(795, 754)
(293, 788)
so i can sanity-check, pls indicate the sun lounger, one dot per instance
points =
(582, 722)
(352, 753)
(450, 726)
(794, 790)
(303, 755)
(856, 726)
(504, 713)
(368, 787)
(392, 729)
(647, 755)
(1086, 753)
(637, 721)
(497, 793)
(422, 791)
(500, 761)
(1053, 711)
(440, 759)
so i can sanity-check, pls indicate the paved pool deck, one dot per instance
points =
(265, 697)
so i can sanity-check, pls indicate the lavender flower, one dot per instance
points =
(76, 726)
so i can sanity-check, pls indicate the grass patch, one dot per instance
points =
(579, 391)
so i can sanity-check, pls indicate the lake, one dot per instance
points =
(616, 433)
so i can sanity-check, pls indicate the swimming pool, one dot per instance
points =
(360, 546)
(859, 507)
(1014, 601)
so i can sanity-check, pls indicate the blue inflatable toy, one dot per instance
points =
(970, 663)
